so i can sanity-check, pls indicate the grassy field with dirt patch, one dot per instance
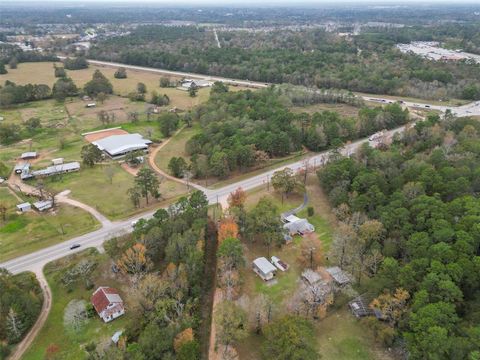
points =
(24, 233)
(71, 342)
(175, 147)
(92, 186)
(43, 73)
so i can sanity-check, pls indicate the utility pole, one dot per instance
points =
(312, 249)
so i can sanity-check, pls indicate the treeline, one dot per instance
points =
(302, 96)
(20, 304)
(12, 93)
(166, 263)
(409, 220)
(243, 129)
(312, 58)
(9, 52)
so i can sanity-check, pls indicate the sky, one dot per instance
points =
(263, 2)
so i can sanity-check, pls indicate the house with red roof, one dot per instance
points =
(108, 303)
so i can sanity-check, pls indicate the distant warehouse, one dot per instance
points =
(117, 146)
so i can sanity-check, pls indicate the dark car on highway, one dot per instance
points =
(75, 246)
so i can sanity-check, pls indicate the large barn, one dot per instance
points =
(117, 146)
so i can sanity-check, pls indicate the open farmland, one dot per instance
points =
(43, 73)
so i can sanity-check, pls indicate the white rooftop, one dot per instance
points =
(54, 169)
(119, 144)
(292, 218)
(29, 154)
(264, 265)
(113, 298)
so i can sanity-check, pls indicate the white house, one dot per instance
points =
(107, 303)
(264, 268)
(295, 225)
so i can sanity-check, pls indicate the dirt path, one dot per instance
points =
(42, 318)
(15, 184)
(63, 198)
(151, 161)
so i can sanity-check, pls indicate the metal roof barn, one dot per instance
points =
(120, 145)
(57, 169)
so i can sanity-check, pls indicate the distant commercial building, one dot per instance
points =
(117, 146)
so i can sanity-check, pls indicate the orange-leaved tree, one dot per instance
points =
(228, 228)
(237, 198)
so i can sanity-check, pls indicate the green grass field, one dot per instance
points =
(43, 73)
(70, 342)
(92, 186)
(28, 232)
(175, 147)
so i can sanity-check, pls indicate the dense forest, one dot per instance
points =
(20, 304)
(245, 128)
(165, 261)
(367, 63)
(409, 232)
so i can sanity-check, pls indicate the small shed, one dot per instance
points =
(57, 161)
(43, 205)
(311, 277)
(360, 307)
(29, 155)
(338, 275)
(116, 336)
(264, 268)
(24, 207)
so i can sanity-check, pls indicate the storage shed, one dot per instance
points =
(29, 155)
(43, 205)
(264, 268)
(24, 207)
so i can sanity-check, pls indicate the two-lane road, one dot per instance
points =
(36, 260)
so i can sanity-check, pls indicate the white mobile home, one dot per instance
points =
(264, 268)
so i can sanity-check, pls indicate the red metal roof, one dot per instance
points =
(99, 298)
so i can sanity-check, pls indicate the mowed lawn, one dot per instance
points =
(92, 186)
(71, 343)
(43, 73)
(31, 231)
(175, 147)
